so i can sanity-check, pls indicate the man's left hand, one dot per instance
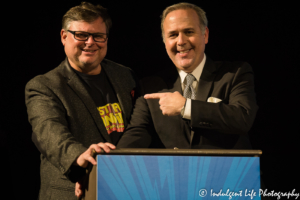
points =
(79, 189)
(170, 103)
(86, 157)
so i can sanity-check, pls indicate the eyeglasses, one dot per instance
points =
(84, 36)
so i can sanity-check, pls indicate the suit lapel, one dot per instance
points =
(76, 84)
(120, 89)
(174, 86)
(206, 80)
(205, 85)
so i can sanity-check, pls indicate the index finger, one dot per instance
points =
(106, 146)
(153, 96)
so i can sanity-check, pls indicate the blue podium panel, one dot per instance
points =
(135, 177)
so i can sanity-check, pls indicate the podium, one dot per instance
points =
(174, 174)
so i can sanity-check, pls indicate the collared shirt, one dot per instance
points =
(186, 111)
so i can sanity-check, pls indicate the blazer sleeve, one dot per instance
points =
(51, 134)
(237, 110)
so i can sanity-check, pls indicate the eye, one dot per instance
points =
(81, 35)
(99, 36)
(189, 32)
(173, 35)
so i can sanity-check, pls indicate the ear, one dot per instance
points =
(63, 36)
(206, 34)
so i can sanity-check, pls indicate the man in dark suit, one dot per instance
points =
(81, 105)
(202, 103)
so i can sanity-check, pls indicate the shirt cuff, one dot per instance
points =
(186, 111)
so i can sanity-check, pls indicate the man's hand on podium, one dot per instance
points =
(87, 157)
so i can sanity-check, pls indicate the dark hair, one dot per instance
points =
(86, 12)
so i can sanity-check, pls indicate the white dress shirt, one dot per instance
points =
(186, 111)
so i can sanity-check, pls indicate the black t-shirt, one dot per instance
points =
(104, 96)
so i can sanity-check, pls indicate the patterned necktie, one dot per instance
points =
(189, 91)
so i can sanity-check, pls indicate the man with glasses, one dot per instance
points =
(83, 104)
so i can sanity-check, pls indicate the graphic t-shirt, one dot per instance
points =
(102, 92)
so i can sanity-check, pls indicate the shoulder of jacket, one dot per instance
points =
(50, 77)
(109, 63)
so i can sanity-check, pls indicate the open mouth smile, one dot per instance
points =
(184, 51)
(89, 51)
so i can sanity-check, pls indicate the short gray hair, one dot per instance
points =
(86, 12)
(201, 14)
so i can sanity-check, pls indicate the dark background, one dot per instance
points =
(265, 34)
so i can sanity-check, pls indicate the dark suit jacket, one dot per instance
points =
(215, 125)
(65, 121)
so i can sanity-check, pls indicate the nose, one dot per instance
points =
(90, 40)
(181, 39)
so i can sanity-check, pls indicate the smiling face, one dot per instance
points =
(85, 56)
(184, 41)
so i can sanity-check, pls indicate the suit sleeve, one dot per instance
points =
(49, 123)
(139, 132)
(237, 110)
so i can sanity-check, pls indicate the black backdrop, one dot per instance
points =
(264, 34)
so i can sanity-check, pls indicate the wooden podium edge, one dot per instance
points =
(187, 152)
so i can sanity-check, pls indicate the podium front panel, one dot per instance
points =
(164, 177)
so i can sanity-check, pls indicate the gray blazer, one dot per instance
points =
(65, 121)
